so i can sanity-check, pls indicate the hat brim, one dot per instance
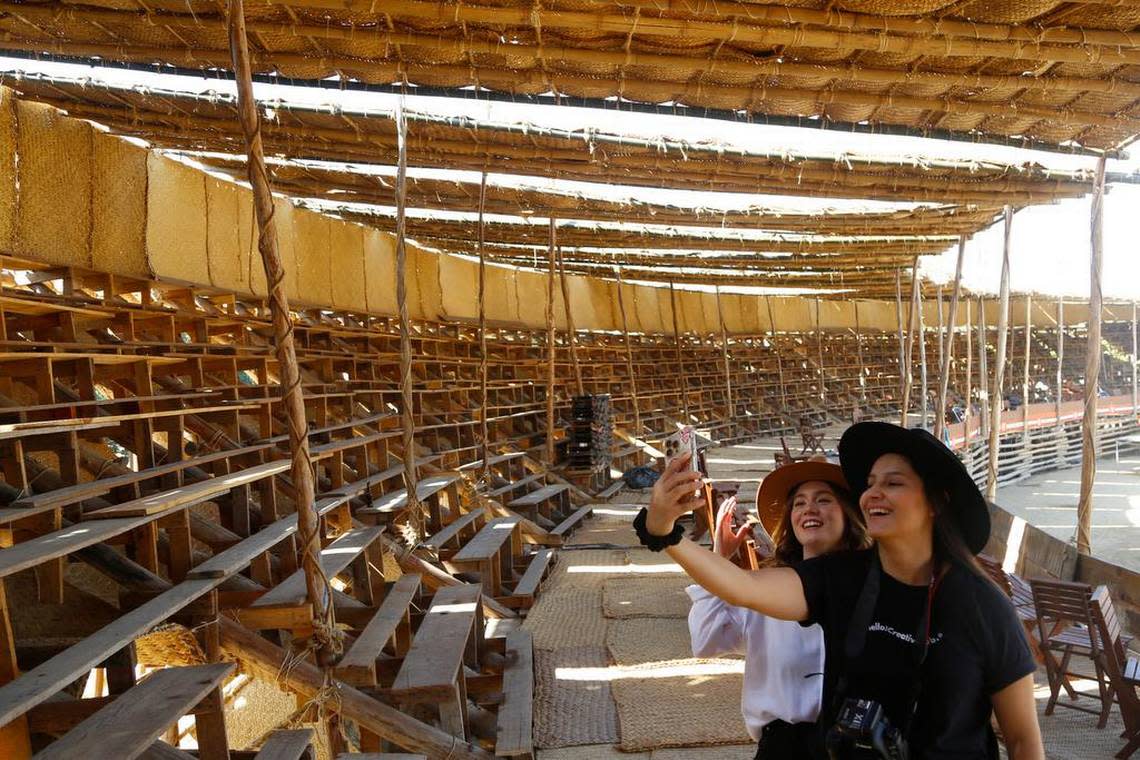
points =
(862, 444)
(772, 495)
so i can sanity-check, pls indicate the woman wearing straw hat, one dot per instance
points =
(807, 508)
(920, 647)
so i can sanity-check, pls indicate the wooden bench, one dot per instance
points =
(513, 737)
(295, 744)
(449, 637)
(134, 720)
(391, 625)
(515, 485)
(570, 523)
(50, 427)
(428, 492)
(457, 532)
(536, 566)
(552, 502)
(491, 553)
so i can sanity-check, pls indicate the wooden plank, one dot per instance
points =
(539, 496)
(294, 744)
(511, 487)
(335, 558)
(358, 666)
(570, 522)
(188, 495)
(513, 725)
(488, 541)
(160, 750)
(478, 463)
(128, 726)
(453, 529)
(60, 543)
(433, 663)
(425, 489)
(45, 427)
(241, 554)
(535, 571)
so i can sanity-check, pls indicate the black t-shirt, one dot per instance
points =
(977, 647)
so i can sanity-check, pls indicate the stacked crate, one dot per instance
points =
(590, 439)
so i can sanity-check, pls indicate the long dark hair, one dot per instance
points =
(789, 550)
(949, 546)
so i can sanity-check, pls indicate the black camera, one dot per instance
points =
(862, 730)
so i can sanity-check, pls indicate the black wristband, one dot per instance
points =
(652, 542)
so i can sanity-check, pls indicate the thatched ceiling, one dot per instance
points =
(1053, 71)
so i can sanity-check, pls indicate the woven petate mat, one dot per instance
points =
(680, 703)
(572, 700)
(647, 596)
(642, 641)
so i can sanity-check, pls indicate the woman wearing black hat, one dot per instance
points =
(921, 648)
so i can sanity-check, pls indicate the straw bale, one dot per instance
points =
(589, 752)
(118, 201)
(639, 641)
(311, 247)
(380, 263)
(346, 258)
(169, 644)
(176, 221)
(253, 269)
(54, 175)
(459, 285)
(793, 314)
(569, 709)
(710, 317)
(650, 596)
(721, 752)
(257, 709)
(223, 246)
(8, 137)
(283, 221)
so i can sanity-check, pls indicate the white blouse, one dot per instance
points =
(783, 661)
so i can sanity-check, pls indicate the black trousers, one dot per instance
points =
(790, 741)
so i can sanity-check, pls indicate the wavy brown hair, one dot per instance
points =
(790, 551)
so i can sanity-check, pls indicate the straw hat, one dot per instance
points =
(772, 496)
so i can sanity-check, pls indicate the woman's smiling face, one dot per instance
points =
(894, 503)
(817, 518)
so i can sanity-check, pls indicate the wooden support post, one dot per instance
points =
(1025, 371)
(731, 412)
(484, 435)
(407, 398)
(316, 585)
(999, 362)
(1135, 388)
(922, 358)
(637, 431)
(571, 335)
(902, 344)
(550, 347)
(968, 391)
(680, 364)
(15, 740)
(779, 361)
(941, 328)
(1092, 369)
(1060, 391)
(819, 352)
(908, 347)
(983, 371)
(859, 350)
(946, 360)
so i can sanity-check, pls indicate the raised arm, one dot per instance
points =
(776, 592)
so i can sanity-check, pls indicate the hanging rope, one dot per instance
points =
(326, 640)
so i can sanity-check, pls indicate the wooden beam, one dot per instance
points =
(819, 352)
(677, 347)
(922, 358)
(1025, 370)
(1135, 387)
(983, 371)
(731, 411)
(1092, 369)
(571, 336)
(484, 443)
(550, 345)
(947, 358)
(999, 363)
(969, 391)
(902, 347)
(1060, 387)
(859, 349)
(637, 431)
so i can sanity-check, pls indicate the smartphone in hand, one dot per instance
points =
(765, 544)
(684, 441)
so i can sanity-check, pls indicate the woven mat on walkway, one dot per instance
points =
(652, 596)
(573, 704)
(567, 617)
(698, 707)
(640, 641)
(585, 568)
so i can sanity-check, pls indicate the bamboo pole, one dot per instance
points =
(969, 390)
(902, 345)
(941, 328)
(680, 363)
(570, 332)
(922, 360)
(724, 356)
(1060, 358)
(908, 349)
(484, 433)
(1025, 370)
(999, 362)
(947, 359)
(1092, 369)
(317, 590)
(819, 351)
(779, 361)
(1135, 387)
(550, 346)
(983, 371)
(859, 349)
(629, 358)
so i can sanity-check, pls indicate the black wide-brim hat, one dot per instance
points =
(863, 443)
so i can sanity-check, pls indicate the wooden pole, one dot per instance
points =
(629, 358)
(947, 358)
(983, 370)
(1060, 359)
(680, 363)
(969, 384)
(1135, 388)
(902, 343)
(550, 347)
(570, 333)
(1092, 369)
(819, 351)
(999, 363)
(941, 329)
(724, 355)
(922, 359)
(484, 434)
(908, 348)
(859, 349)
(309, 538)
(1025, 370)
(779, 361)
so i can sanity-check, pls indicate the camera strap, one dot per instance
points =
(861, 619)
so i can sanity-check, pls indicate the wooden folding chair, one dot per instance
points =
(1121, 669)
(1066, 628)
